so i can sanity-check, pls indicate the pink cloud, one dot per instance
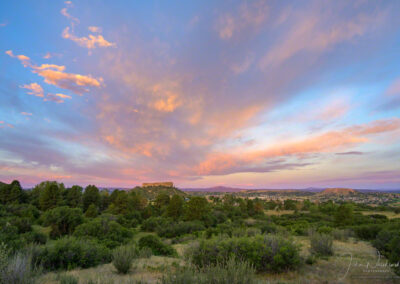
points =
(35, 89)
(54, 75)
(315, 32)
(90, 42)
(217, 163)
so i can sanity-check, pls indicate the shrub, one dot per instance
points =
(367, 232)
(179, 229)
(18, 270)
(387, 243)
(233, 272)
(154, 224)
(68, 279)
(321, 244)
(156, 245)
(342, 235)
(145, 253)
(105, 230)
(62, 220)
(123, 257)
(69, 252)
(270, 253)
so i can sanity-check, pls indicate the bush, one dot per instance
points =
(69, 252)
(62, 220)
(154, 224)
(270, 253)
(105, 230)
(367, 232)
(145, 253)
(321, 244)
(233, 272)
(179, 229)
(342, 235)
(68, 279)
(387, 243)
(18, 270)
(123, 257)
(156, 245)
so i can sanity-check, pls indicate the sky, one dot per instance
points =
(250, 94)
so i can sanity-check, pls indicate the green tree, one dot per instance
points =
(74, 196)
(62, 220)
(196, 208)
(49, 197)
(162, 200)
(344, 215)
(250, 207)
(92, 211)
(91, 196)
(175, 207)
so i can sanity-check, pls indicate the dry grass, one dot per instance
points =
(333, 269)
(389, 214)
(278, 212)
(327, 270)
(149, 270)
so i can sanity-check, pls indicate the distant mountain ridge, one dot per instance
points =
(309, 189)
(339, 191)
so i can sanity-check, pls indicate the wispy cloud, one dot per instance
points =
(54, 75)
(34, 89)
(91, 41)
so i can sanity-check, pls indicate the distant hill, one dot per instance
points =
(339, 191)
(215, 189)
(150, 192)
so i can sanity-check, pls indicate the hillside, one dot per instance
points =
(151, 192)
(339, 191)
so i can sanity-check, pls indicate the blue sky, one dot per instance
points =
(256, 94)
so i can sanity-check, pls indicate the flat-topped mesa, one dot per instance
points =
(164, 184)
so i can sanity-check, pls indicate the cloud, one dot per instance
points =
(350, 153)
(90, 42)
(63, 96)
(26, 113)
(317, 32)
(74, 82)
(54, 75)
(94, 29)
(224, 163)
(247, 15)
(57, 98)
(25, 60)
(35, 89)
(391, 100)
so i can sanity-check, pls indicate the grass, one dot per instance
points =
(389, 214)
(324, 270)
(278, 213)
(150, 270)
(332, 269)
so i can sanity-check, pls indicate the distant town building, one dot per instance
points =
(165, 184)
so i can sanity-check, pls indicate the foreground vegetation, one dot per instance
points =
(53, 234)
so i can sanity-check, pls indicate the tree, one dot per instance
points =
(344, 215)
(175, 207)
(49, 196)
(91, 196)
(11, 193)
(250, 207)
(62, 220)
(92, 211)
(162, 200)
(74, 196)
(196, 208)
